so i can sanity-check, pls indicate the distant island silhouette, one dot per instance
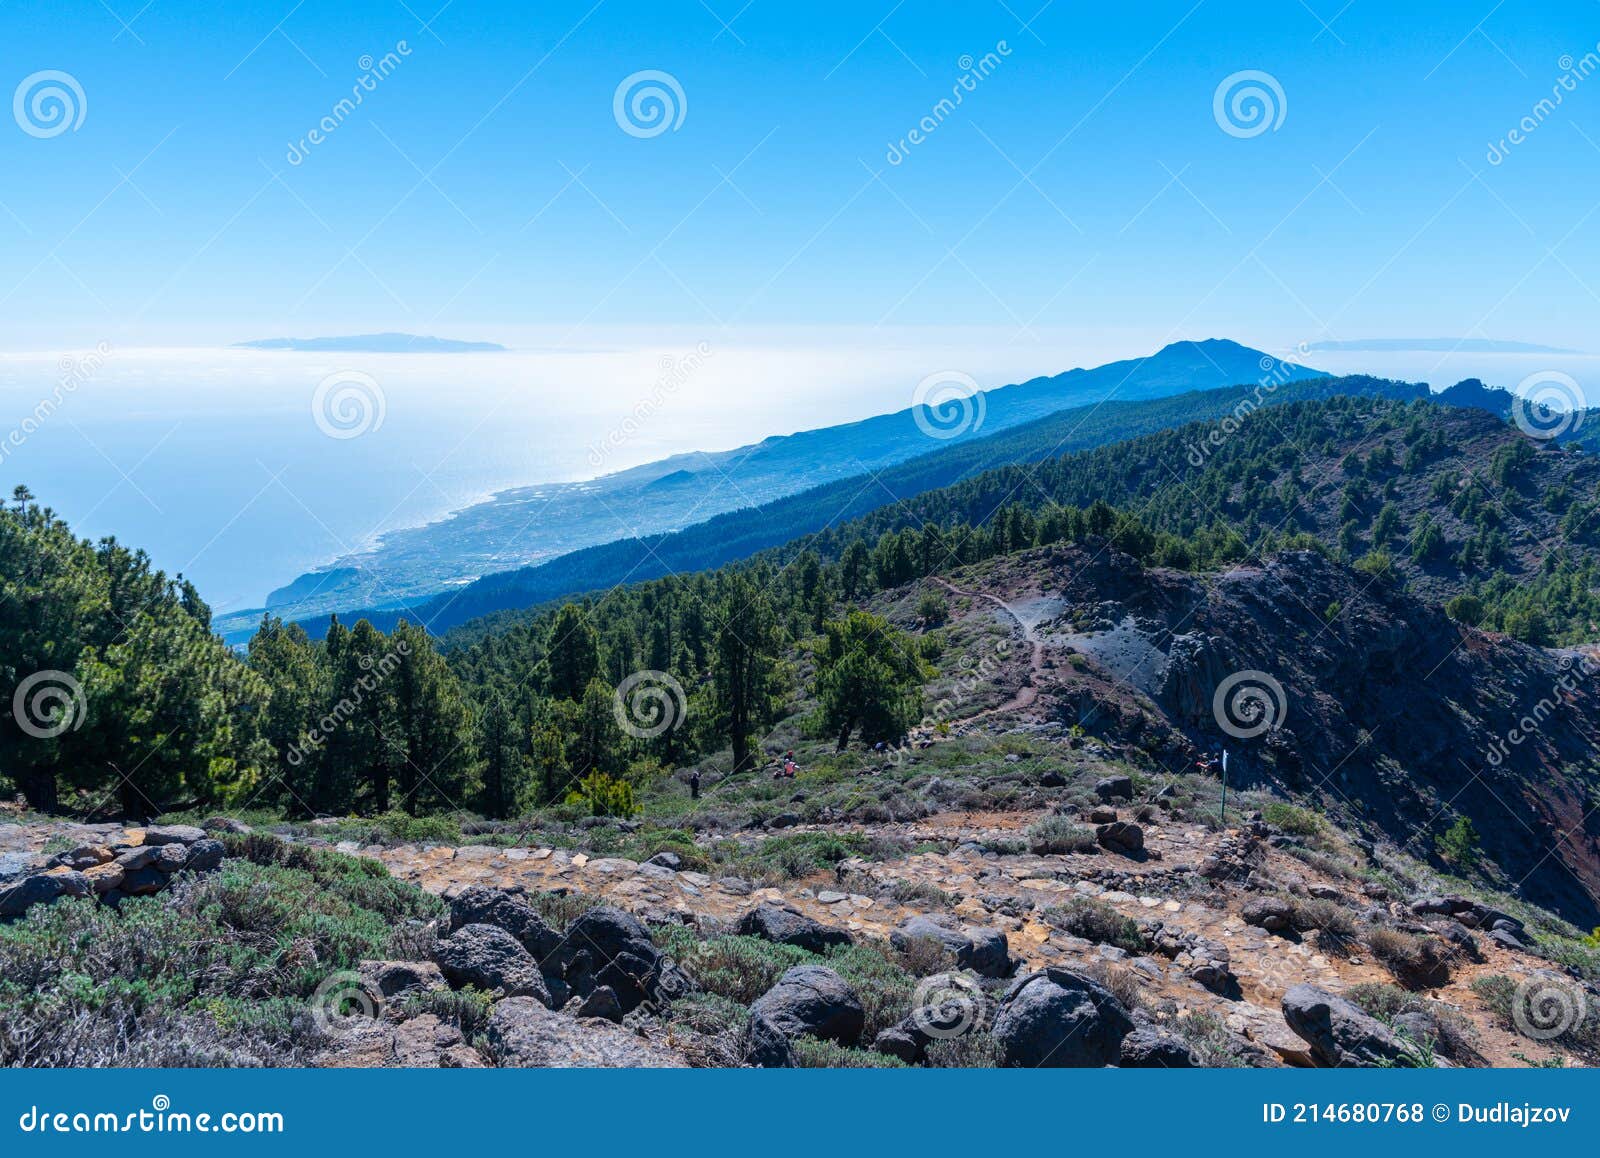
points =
(373, 344)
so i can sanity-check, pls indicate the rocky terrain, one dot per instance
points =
(1042, 875)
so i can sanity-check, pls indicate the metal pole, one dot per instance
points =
(1224, 786)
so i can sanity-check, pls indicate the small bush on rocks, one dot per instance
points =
(1097, 921)
(811, 1053)
(1416, 962)
(1057, 834)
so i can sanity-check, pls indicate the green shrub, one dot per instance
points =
(1416, 962)
(740, 969)
(604, 795)
(1057, 834)
(216, 970)
(1097, 921)
(1290, 819)
(884, 987)
(812, 1054)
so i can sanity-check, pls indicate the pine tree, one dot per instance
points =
(572, 657)
(746, 650)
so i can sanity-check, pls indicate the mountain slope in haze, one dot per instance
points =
(530, 524)
(741, 533)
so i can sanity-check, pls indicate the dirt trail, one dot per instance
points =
(1029, 692)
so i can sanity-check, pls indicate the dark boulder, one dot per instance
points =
(1057, 1018)
(489, 958)
(984, 951)
(787, 925)
(764, 1045)
(1274, 914)
(481, 905)
(899, 1042)
(1341, 1035)
(622, 956)
(19, 896)
(814, 1000)
(1150, 1047)
(1120, 836)
(1114, 788)
(205, 855)
(602, 1003)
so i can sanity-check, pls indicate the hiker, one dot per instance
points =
(790, 768)
(694, 784)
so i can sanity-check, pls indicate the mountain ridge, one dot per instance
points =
(477, 541)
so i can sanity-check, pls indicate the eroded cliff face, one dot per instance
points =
(1337, 683)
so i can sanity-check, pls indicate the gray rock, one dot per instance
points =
(481, 905)
(1114, 788)
(1151, 1047)
(1341, 1035)
(226, 824)
(668, 860)
(489, 958)
(1274, 914)
(160, 834)
(389, 979)
(897, 1042)
(1472, 913)
(170, 858)
(137, 858)
(984, 951)
(522, 1032)
(1506, 939)
(787, 925)
(1057, 1018)
(814, 1000)
(623, 957)
(18, 897)
(1120, 836)
(602, 1003)
(765, 1046)
(205, 855)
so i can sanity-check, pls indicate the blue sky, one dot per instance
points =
(485, 187)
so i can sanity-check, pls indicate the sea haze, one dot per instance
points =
(212, 460)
